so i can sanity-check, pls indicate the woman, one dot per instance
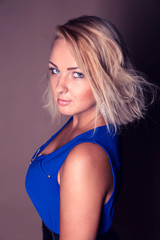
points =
(74, 178)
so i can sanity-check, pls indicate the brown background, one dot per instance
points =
(26, 33)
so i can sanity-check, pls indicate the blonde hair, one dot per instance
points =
(101, 54)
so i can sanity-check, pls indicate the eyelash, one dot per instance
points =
(52, 70)
(80, 75)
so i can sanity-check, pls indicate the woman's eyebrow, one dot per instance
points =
(53, 64)
(70, 68)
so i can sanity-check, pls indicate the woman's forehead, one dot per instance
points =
(61, 54)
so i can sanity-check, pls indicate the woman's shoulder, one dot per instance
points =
(88, 160)
(90, 151)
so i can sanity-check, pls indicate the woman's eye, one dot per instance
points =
(54, 70)
(78, 75)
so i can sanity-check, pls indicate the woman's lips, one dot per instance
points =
(63, 102)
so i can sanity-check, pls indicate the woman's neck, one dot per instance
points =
(86, 121)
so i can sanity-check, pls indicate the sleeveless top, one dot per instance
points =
(41, 179)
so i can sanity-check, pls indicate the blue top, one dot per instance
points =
(41, 179)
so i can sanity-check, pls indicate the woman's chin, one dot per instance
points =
(66, 113)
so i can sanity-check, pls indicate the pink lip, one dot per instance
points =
(63, 102)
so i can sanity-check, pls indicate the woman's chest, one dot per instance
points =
(59, 141)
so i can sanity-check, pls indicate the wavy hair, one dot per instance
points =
(99, 50)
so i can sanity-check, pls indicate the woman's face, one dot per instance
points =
(71, 90)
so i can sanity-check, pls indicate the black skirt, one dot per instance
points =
(49, 235)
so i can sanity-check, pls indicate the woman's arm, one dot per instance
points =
(85, 180)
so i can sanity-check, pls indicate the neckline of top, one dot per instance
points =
(66, 144)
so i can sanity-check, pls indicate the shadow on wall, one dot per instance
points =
(138, 210)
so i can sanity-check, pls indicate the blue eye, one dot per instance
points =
(78, 75)
(54, 70)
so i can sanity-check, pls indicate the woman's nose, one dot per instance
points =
(62, 85)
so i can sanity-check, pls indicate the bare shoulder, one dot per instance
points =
(88, 161)
(88, 150)
(87, 154)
